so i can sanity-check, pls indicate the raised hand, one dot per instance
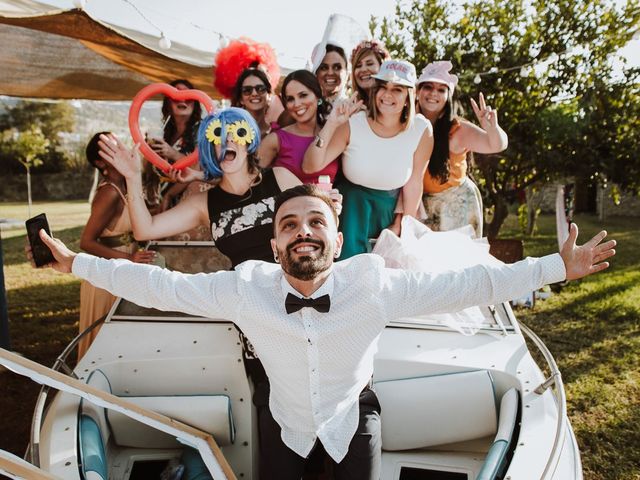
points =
(343, 109)
(586, 259)
(487, 117)
(123, 159)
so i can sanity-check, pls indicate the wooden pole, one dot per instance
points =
(5, 340)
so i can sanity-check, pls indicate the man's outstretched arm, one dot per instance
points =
(207, 295)
(490, 284)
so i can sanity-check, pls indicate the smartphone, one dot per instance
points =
(41, 253)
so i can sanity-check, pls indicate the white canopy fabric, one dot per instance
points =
(54, 53)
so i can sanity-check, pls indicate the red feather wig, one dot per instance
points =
(240, 54)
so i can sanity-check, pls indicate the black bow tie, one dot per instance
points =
(294, 303)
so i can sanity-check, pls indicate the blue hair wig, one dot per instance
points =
(209, 161)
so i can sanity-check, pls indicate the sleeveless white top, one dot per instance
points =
(380, 163)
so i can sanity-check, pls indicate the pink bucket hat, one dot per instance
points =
(439, 72)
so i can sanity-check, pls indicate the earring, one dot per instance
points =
(275, 257)
(319, 101)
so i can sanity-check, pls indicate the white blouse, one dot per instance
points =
(380, 163)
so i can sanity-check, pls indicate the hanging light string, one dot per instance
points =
(525, 68)
(164, 42)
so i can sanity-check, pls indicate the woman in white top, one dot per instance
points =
(384, 156)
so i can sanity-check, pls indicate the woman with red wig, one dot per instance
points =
(245, 73)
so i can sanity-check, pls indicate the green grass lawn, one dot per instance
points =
(43, 310)
(591, 327)
(61, 215)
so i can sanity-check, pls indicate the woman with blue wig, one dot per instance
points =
(238, 208)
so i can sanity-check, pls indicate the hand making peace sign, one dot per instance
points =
(487, 117)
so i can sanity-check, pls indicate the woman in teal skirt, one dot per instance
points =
(384, 156)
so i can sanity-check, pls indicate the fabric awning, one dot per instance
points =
(67, 54)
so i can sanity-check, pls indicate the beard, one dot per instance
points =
(306, 267)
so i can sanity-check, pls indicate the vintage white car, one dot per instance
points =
(153, 384)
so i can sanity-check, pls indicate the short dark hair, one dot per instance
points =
(339, 50)
(304, 190)
(92, 149)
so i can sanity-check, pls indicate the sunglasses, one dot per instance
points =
(260, 89)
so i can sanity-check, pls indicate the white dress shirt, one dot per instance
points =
(317, 363)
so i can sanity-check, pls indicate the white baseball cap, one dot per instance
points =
(399, 72)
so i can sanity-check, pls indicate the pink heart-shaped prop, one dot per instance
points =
(134, 127)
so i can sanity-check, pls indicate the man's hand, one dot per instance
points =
(64, 257)
(586, 259)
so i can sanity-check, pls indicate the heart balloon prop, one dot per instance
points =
(173, 93)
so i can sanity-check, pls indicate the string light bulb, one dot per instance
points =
(477, 79)
(164, 42)
(524, 72)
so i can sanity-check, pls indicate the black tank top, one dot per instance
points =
(242, 225)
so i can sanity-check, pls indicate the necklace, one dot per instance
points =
(248, 191)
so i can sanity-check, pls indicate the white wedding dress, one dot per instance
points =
(421, 249)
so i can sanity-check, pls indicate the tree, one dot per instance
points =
(531, 58)
(50, 118)
(26, 147)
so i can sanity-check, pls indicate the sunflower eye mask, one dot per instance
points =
(240, 131)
